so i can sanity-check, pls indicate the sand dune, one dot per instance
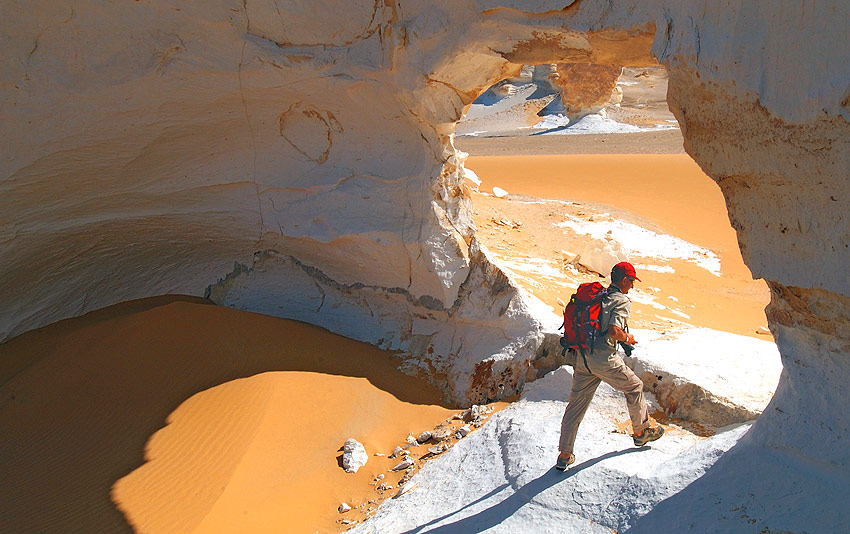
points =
(194, 418)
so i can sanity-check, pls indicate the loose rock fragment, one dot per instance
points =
(404, 464)
(442, 432)
(344, 507)
(353, 455)
(424, 437)
(462, 432)
(472, 413)
(398, 450)
(438, 449)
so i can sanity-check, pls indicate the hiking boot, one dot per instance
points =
(649, 434)
(564, 462)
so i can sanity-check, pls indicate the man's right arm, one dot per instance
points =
(618, 334)
(619, 316)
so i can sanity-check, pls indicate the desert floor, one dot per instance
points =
(189, 417)
(172, 415)
(666, 192)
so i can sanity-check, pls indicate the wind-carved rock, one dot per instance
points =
(585, 87)
(163, 129)
(309, 130)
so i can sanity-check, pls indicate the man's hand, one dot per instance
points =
(618, 334)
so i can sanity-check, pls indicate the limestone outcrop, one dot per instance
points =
(586, 88)
(148, 147)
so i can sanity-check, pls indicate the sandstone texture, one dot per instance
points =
(586, 88)
(296, 159)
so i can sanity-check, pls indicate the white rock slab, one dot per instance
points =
(739, 369)
(501, 479)
(353, 455)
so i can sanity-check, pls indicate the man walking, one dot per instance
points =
(604, 364)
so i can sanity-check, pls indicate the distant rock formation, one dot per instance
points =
(296, 158)
(585, 88)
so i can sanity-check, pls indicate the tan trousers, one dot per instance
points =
(616, 374)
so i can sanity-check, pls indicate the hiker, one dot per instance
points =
(602, 362)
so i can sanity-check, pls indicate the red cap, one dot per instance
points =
(622, 269)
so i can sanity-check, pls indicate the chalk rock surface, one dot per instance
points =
(501, 479)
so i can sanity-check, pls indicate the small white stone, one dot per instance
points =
(353, 455)
(344, 507)
(380, 477)
(498, 192)
(423, 437)
(404, 464)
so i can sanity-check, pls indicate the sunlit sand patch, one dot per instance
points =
(699, 264)
(189, 417)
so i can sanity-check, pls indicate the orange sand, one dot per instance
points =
(195, 418)
(668, 190)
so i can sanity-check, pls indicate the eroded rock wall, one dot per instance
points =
(291, 158)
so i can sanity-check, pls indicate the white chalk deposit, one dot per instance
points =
(353, 455)
(295, 158)
(501, 479)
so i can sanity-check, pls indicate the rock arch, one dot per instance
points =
(149, 148)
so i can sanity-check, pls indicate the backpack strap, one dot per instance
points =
(585, 311)
(584, 357)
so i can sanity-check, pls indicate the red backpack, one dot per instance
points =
(581, 319)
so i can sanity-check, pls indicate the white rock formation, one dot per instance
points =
(705, 376)
(501, 479)
(353, 455)
(600, 255)
(303, 166)
(498, 192)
